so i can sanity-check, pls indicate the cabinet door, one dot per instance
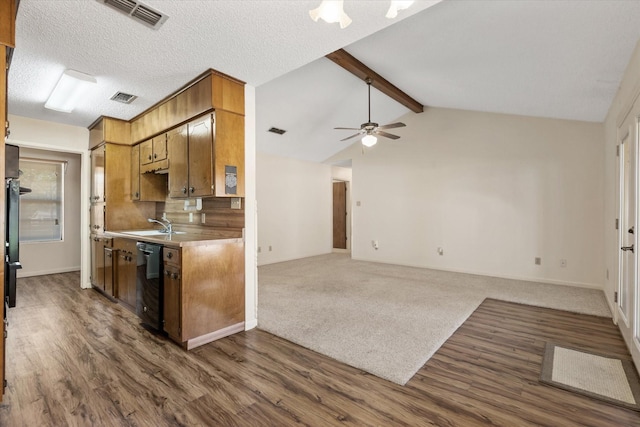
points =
(135, 172)
(96, 218)
(146, 152)
(108, 271)
(201, 157)
(160, 147)
(126, 272)
(177, 147)
(172, 302)
(97, 262)
(97, 174)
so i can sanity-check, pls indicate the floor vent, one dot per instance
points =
(138, 11)
(125, 98)
(278, 131)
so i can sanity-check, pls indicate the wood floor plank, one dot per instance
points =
(76, 358)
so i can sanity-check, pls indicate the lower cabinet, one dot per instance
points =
(172, 287)
(101, 265)
(126, 272)
(203, 292)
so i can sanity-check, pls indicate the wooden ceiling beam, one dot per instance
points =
(358, 69)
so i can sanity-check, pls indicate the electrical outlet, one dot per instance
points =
(358, 203)
(202, 218)
(236, 203)
(190, 216)
(259, 249)
(563, 263)
(440, 251)
(270, 248)
(375, 244)
(537, 260)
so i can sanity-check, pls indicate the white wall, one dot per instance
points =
(40, 258)
(494, 191)
(250, 215)
(294, 208)
(43, 135)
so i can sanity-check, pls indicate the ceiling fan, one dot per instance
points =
(369, 130)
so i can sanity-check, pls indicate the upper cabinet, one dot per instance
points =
(211, 90)
(108, 129)
(97, 174)
(206, 157)
(8, 9)
(153, 154)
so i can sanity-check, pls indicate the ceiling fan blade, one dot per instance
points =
(352, 136)
(392, 125)
(387, 135)
(348, 128)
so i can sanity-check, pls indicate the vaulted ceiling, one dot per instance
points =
(561, 59)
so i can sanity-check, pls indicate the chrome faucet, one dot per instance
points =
(167, 227)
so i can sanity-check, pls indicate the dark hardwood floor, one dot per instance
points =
(74, 358)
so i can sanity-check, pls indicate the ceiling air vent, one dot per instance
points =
(125, 98)
(278, 131)
(138, 11)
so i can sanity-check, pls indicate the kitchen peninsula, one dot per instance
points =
(181, 161)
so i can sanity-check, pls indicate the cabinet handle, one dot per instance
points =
(184, 190)
(155, 156)
(167, 273)
(137, 194)
(192, 190)
(149, 156)
(170, 255)
(174, 276)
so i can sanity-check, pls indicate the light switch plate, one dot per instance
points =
(236, 203)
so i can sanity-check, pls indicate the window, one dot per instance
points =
(41, 211)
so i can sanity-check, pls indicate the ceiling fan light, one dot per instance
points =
(369, 140)
(331, 11)
(397, 5)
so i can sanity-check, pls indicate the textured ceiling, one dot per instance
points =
(254, 41)
(561, 59)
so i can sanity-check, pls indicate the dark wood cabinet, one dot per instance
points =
(101, 264)
(172, 288)
(206, 157)
(126, 266)
(146, 187)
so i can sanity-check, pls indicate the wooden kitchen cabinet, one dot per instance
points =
(203, 292)
(153, 154)
(149, 187)
(172, 288)
(206, 157)
(126, 271)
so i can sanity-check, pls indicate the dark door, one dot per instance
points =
(340, 215)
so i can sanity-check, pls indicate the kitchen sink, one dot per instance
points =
(143, 233)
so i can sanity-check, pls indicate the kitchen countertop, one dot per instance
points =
(177, 240)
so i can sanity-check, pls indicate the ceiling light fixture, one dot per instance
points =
(369, 140)
(397, 5)
(331, 11)
(68, 91)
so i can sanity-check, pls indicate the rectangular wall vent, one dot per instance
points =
(138, 11)
(278, 131)
(125, 98)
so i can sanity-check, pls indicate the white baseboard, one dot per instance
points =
(250, 324)
(27, 273)
(500, 276)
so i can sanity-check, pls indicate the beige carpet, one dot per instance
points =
(606, 378)
(385, 319)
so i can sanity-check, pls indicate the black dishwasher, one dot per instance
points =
(149, 288)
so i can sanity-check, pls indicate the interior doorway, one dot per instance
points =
(339, 215)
